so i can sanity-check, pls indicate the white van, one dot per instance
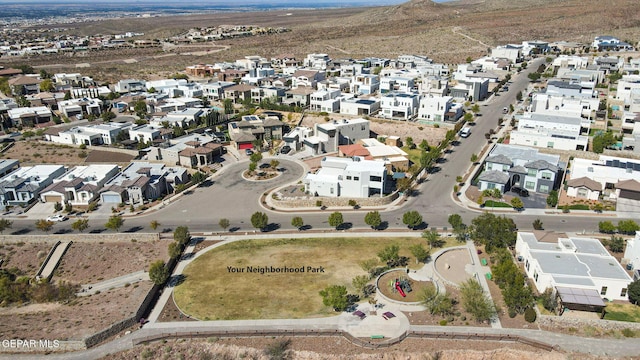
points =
(465, 132)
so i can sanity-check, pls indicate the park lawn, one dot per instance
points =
(622, 312)
(211, 292)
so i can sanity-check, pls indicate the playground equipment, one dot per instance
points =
(399, 288)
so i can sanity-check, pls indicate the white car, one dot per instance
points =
(57, 218)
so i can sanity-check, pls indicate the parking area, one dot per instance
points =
(533, 201)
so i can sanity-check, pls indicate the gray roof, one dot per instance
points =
(541, 165)
(499, 159)
(518, 169)
(580, 296)
(585, 182)
(517, 152)
(564, 85)
(494, 176)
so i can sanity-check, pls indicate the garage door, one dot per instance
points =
(110, 198)
(245, 146)
(53, 198)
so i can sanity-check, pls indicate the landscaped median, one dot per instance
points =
(276, 278)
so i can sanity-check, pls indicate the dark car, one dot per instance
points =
(520, 191)
(285, 149)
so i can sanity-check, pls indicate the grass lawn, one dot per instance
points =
(496, 204)
(414, 154)
(211, 292)
(623, 312)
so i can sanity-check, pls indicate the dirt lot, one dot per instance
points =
(34, 152)
(83, 263)
(89, 263)
(337, 348)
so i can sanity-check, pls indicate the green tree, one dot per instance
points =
(537, 224)
(616, 244)
(158, 272)
(174, 249)
(373, 219)
(517, 203)
(259, 220)
(198, 177)
(534, 76)
(80, 225)
(436, 303)
(419, 252)
(409, 142)
(474, 158)
(5, 224)
(412, 219)
(552, 198)
(390, 252)
(335, 296)
(455, 220)
(44, 225)
(114, 223)
(606, 227)
(475, 302)
(255, 157)
(228, 106)
(154, 224)
(57, 206)
(252, 167)
(433, 238)
(633, 291)
(359, 283)
(475, 108)
(297, 222)
(468, 117)
(182, 235)
(107, 116)
(274, 164)
(224, 223)
(47, 85)
(424, 145)
(336, 219)
(140, 108)
(628, 227)
(368, 264)
(493, 231)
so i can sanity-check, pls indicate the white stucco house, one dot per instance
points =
(348, 177)
(574, 262)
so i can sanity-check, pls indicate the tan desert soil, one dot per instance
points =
(336, 348)
(87, 263)
(27, 257)
(75, 321)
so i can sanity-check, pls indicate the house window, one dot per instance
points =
(623, 293)
(550, 144)
(546, 176)
(348, 177)
(583, 193)
(535, 276)
(603, 291)
(532, 172)
(375, 178)
(356, 178)
(544, 189)
(331, 191)
(526, 264)
(491, 186)
(505, 167)
(489, 165)
(535, 143)
(529, 185)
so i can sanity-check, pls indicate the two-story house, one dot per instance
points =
(439, 109)
(348, 177)
(80, 185)
(402, 106)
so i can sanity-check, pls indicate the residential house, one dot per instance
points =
(8, 166)
(570, 62)
(578, 263)
(215, 90)
(359, 106)
(439, 109)
(610, 173)
(316, 61)
(80, 107)
(144, 134)
(392, 84)
(129, 85)
(348, 177)
(328, 136)
(93, 134)
(632, 252)
(542, 103)
(141, 182)
(193, 150)
(325, 100)
(512, 165)
(23, 185)
(512, 53)
(80, 185)
(238, 93)
(300, 96)
(394, 158)
(29, 116)
(609, 43)
(294, 138)
(628, 88)
(252, 128)
(471, 89)
(571, 89)
(551, 131)
(402, 106)
(307, 78)
(489, 63)
(365, 84)
(24, 85)
(267, 93)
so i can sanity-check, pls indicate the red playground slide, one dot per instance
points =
(400, 289)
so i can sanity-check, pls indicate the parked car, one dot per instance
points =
(520, 191)
(57, 218)
(285, 149)
(249, 152)
(465, 132)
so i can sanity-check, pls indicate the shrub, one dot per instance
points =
(443, 322)
(628, 332)
(319, 203)
(512, 313)
(530, 315)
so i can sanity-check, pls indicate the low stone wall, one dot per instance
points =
(88, 238)
(103, 335)
(550, 321)
(305, 202)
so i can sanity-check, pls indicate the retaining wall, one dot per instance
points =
(310, 201)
